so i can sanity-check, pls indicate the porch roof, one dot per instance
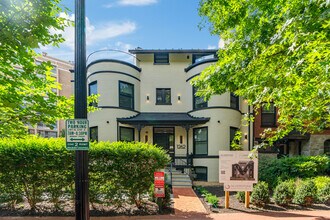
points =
(151, 118)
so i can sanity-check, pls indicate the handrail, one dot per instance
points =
(110, 50)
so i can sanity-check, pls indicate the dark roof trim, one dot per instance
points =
(193, 77)
(118, 72)
(199, 63)
(116, 107)
(114, 61)
(215, 107)
(146, 51)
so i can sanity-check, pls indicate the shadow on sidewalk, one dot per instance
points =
(288, 215)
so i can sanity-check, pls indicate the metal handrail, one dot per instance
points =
(110, 50)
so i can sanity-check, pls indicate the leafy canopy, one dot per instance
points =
(275, 51)
(26, 95)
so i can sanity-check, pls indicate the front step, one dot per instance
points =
(180, 180)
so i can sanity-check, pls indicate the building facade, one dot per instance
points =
(152, 100)
(61, 71)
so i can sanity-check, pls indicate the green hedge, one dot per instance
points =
(275, 170)
(41, 169)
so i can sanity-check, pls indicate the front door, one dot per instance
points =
(164, 137)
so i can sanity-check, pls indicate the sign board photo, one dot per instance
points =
(238, 171)
(77, 134)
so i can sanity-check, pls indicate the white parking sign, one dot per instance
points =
(77, 134)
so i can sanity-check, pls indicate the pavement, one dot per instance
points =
(188, 206)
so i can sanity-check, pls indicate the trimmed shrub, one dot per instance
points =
(260, 194)
(240, 196)
(284, 192)
(322, 184)
(43, 169)
(274, 171)
(305, 193)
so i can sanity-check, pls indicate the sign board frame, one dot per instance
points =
(77, 134)
(237, 170)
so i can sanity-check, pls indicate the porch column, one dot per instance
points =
(139, 128)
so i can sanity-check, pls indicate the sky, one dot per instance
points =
(127, 24)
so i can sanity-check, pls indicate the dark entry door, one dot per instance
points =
(164, 137)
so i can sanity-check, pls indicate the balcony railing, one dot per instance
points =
(111, 54)
(183, 161)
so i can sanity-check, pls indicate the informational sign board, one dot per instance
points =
(159, 182)
(237, 170)
(77, 134)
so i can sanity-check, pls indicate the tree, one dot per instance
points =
(26, 95)
(275, 51)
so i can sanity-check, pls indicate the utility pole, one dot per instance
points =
(80, 112)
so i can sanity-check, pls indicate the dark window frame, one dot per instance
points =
(95, 104)
(197, 56)
(207, 140)
(163, 96)
(126, 95)
(234, 101)
(158, 60)
(205, 103)
(326, 148)
(97, 133)
(268, 125)
(230, 137)
(128, 128)
(200, 179)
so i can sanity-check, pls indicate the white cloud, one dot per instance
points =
(95, 34)
(131, 3)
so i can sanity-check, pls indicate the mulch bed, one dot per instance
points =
(236, 206)
(44, 209)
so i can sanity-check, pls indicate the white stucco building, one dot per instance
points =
(153, 101)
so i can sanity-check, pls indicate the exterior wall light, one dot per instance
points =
(179, 98)
(147, 98)
(245, 136)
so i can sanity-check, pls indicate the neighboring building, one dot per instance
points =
(153, 101)
(294, 143)
(61, 72)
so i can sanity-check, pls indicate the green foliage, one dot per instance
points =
(212, 199)
(25, 26)
(260, 194)
(275, 170)
(236, 144)
(284, 192)
(44, 170)
(305, 193)
(322, 184)
(274, 51)
(162, 202)
(240, 196)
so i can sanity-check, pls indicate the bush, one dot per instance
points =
(212, 199)
(240, 196)
(162, 202)
(274, 171)
(260, 194)
(44, 170)
(284, 192)
(322, 184)
(305, 193)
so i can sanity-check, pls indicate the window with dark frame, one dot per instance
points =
(200, 141)
(163, 96)
(233, 131)
(92, 90)
(201, 173)
(234, 101)
(126, 95)
(161, 58)
(268, 115)
(327, 147)
(198, 101)
(126, 134)
(198, 57)
(93, 133)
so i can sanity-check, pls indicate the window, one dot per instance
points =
(234, 101)
(161, 58)
(126, 95)
(126, 134)
(327, 147)
(92, 90)
(93, 134)
(231, 136)
(201, 173)
(163, 97)
(268, 115)
(202, 56)
(198, 102)
(200, 141)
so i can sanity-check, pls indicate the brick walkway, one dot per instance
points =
(186, 201)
